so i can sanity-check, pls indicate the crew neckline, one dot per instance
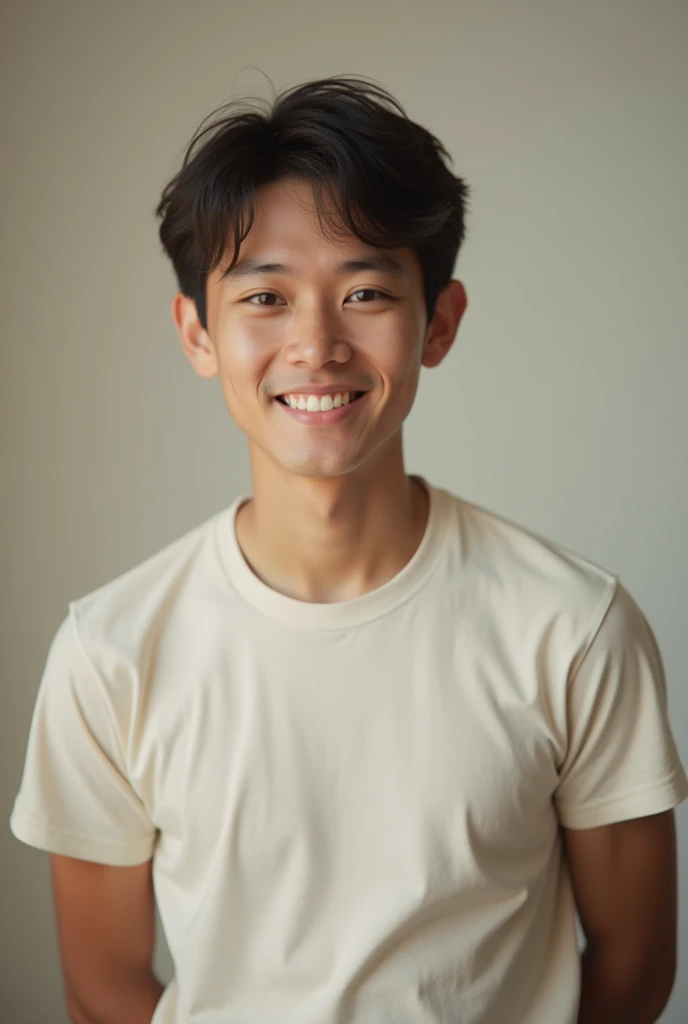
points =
(337, 614)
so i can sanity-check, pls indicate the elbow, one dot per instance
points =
(76, 1013)
(659, 988)
(658, 1001)
(76, 1016)
(620, 986)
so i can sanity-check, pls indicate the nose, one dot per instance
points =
(315, 339)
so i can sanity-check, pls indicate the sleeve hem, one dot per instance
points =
(621, 807)
(47, 837)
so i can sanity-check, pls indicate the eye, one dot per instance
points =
(370, 291)
(259, 295)
(360, 291)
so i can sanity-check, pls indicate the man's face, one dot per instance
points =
(279, 339)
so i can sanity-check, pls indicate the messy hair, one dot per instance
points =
(374, 173)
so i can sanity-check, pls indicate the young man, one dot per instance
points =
(368, 745)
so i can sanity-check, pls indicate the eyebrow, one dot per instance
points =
(375, 261)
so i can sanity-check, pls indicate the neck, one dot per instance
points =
(331, 539)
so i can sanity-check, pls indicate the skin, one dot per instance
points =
(333, 513)
(625, 883)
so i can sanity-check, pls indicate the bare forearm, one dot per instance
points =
(130, 1004)
(610, 993)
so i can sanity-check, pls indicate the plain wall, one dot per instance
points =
(562, 405)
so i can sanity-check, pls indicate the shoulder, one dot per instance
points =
(128, 614)
(540, 587)
(514, 555)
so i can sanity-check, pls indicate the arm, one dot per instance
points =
(106, 928)
(625, 887)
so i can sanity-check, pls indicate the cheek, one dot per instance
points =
(244, 357)
(398, 359)
(400, 363)
(245, 340)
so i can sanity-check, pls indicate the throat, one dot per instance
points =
(305, 559)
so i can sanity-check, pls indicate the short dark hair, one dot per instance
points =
(383, 173)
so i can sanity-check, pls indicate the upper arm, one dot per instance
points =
(624, 877)
(106, 927)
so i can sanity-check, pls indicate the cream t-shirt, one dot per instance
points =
(353, 809)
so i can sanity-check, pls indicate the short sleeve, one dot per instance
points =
(621, 760)
(74, 798)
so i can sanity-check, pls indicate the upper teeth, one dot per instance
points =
(319, 403)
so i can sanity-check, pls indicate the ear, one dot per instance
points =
(195, 340)
(441, 331)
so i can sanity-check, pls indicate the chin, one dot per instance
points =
(318, 471)
(319, 467)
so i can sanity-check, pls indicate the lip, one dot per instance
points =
(321, 389)
(322, 419)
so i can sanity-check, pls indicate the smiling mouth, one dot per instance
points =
(305, 403)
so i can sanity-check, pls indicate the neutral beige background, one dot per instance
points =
(562, 405)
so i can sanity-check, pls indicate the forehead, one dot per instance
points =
(286, 231)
